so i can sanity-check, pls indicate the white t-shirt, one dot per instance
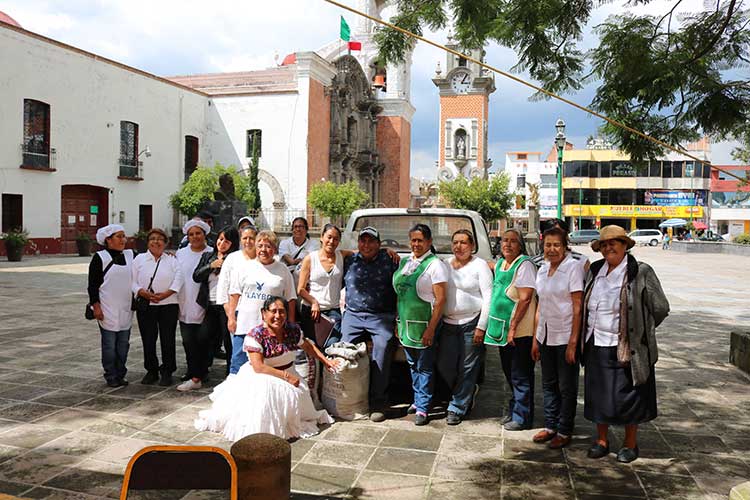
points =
(469, 293)
(255, 282)
(190, 311)
(287, 247)
(604, 305)
(435, 273)
(326, 286)
(233, 260)
(167, 277)
(555, 303)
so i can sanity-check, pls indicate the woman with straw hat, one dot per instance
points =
(622, 306)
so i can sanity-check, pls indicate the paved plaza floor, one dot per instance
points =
(65, 434)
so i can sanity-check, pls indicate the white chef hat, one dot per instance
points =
(196, 222)
(105, 232)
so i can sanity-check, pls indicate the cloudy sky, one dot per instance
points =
(170, 37)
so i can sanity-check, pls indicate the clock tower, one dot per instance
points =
(465, 89)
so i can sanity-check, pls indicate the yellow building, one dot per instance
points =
(602, 187)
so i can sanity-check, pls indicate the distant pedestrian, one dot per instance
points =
(292, 250)
(623, 305)
(157, 278)
(110, 295)
(666, 241)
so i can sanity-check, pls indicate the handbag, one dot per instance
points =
(88, 313)
(139, 303)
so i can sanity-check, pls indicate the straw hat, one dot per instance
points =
(612, 233)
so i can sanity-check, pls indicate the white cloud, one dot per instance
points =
(423, 164)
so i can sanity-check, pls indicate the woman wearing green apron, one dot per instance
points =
(511, 325)
(420, 284)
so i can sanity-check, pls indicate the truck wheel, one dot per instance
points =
(653, 243)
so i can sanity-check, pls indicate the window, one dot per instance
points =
(548, 180)
(617, 197)
(521, 181)
(12, 212)
(191, 155)
(255, 140)
(128, 149)
(521, 156)
(36, 134)
(654, 169)
(461, 62)
(145, 217)
(580, 197)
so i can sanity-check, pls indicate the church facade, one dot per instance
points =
(102, 142)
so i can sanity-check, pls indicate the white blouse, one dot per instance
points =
(230, 264)
(190, 311)
(469, 293)
(604, 305)
(435, 273)
(555, 302)
(167, 277)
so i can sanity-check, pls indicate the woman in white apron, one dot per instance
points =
(110, 296)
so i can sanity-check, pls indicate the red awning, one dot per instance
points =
(700, 226)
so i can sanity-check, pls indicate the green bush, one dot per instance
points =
(742, 239)
(490, 197)
(336, 200)
(202, 185)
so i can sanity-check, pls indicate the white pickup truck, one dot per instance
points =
(393, 224)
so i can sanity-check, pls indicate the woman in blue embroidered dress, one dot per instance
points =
(268, 395)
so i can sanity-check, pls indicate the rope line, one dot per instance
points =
(532, 86)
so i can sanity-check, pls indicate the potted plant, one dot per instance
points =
(83, 242)
(140, 241)
(15, 241)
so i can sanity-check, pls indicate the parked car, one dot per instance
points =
(710, 236)
(651, 237)
(394, 224)
(584, 236)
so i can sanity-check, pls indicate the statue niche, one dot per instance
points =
(459, 152)
(354, 110)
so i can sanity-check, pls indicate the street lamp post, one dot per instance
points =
(560, 142)
(580, 202)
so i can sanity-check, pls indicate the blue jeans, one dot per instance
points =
(421, 363)
(115, 346)
(518, 368)
(560, 387)
(239, 356)
(361, 326)
(459, 361)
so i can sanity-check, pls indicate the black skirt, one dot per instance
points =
(610, 397)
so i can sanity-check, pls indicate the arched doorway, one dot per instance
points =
(84, 209)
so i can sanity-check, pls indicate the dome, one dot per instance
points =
(289, 59)
(5, 18)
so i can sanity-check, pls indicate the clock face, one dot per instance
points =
(461, 82)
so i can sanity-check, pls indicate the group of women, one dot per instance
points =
(561, 314)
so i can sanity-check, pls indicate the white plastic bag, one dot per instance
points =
(346, 391)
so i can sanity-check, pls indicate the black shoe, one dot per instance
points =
(598, 451)
(627, 455)
(420, 419)
(507, 418)
(453, 418)
(411, 410)
(123, 382)
(165, 380)
(220, 355)
(185, 378)
(150, 378)
(113, 383)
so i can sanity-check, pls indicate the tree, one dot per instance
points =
(336, 200)
(674, 77)
(253, 181)
(490, 197)
(202, 185)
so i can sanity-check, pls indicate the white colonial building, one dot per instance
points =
(529, 167)
(86, 141)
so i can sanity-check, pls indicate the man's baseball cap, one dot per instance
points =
(370, 231)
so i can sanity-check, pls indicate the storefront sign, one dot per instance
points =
(642, 211)
(673, 198)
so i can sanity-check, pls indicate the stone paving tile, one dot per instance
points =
(119, 425)
(77, 444)
(106, 403)
(383, 486)
(62, 397)
(35, 467)
(601, 481)
(717, 473)
(23, 377)
(531, 452)
(154, 409)
(339, 455)
(359, 434)
(72, 418)
(322, 479)
(121, 450)
(25, 392)
(665, 487)
(13, 488)
(31, 435)
(452, 490)
(9, 452)
(168, 432)
(53, 494)
(26, 412)
(300, 447)
(61, 381)
(90, 477)
(415, 440)
(418, 463)
(525, 480)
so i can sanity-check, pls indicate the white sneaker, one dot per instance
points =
(189, 385)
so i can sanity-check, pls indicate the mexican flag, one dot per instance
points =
(346, 33)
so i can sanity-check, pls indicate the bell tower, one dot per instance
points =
(465, 89)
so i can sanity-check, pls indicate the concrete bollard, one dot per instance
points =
(264, 467)
(740, 492)
(739, 350)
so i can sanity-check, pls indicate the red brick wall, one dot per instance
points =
(394, 147)
(463, 106)
(318, 132)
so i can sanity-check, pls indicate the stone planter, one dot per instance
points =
(14, 251)
(84, 248)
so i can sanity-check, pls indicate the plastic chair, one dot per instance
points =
(180, 468)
